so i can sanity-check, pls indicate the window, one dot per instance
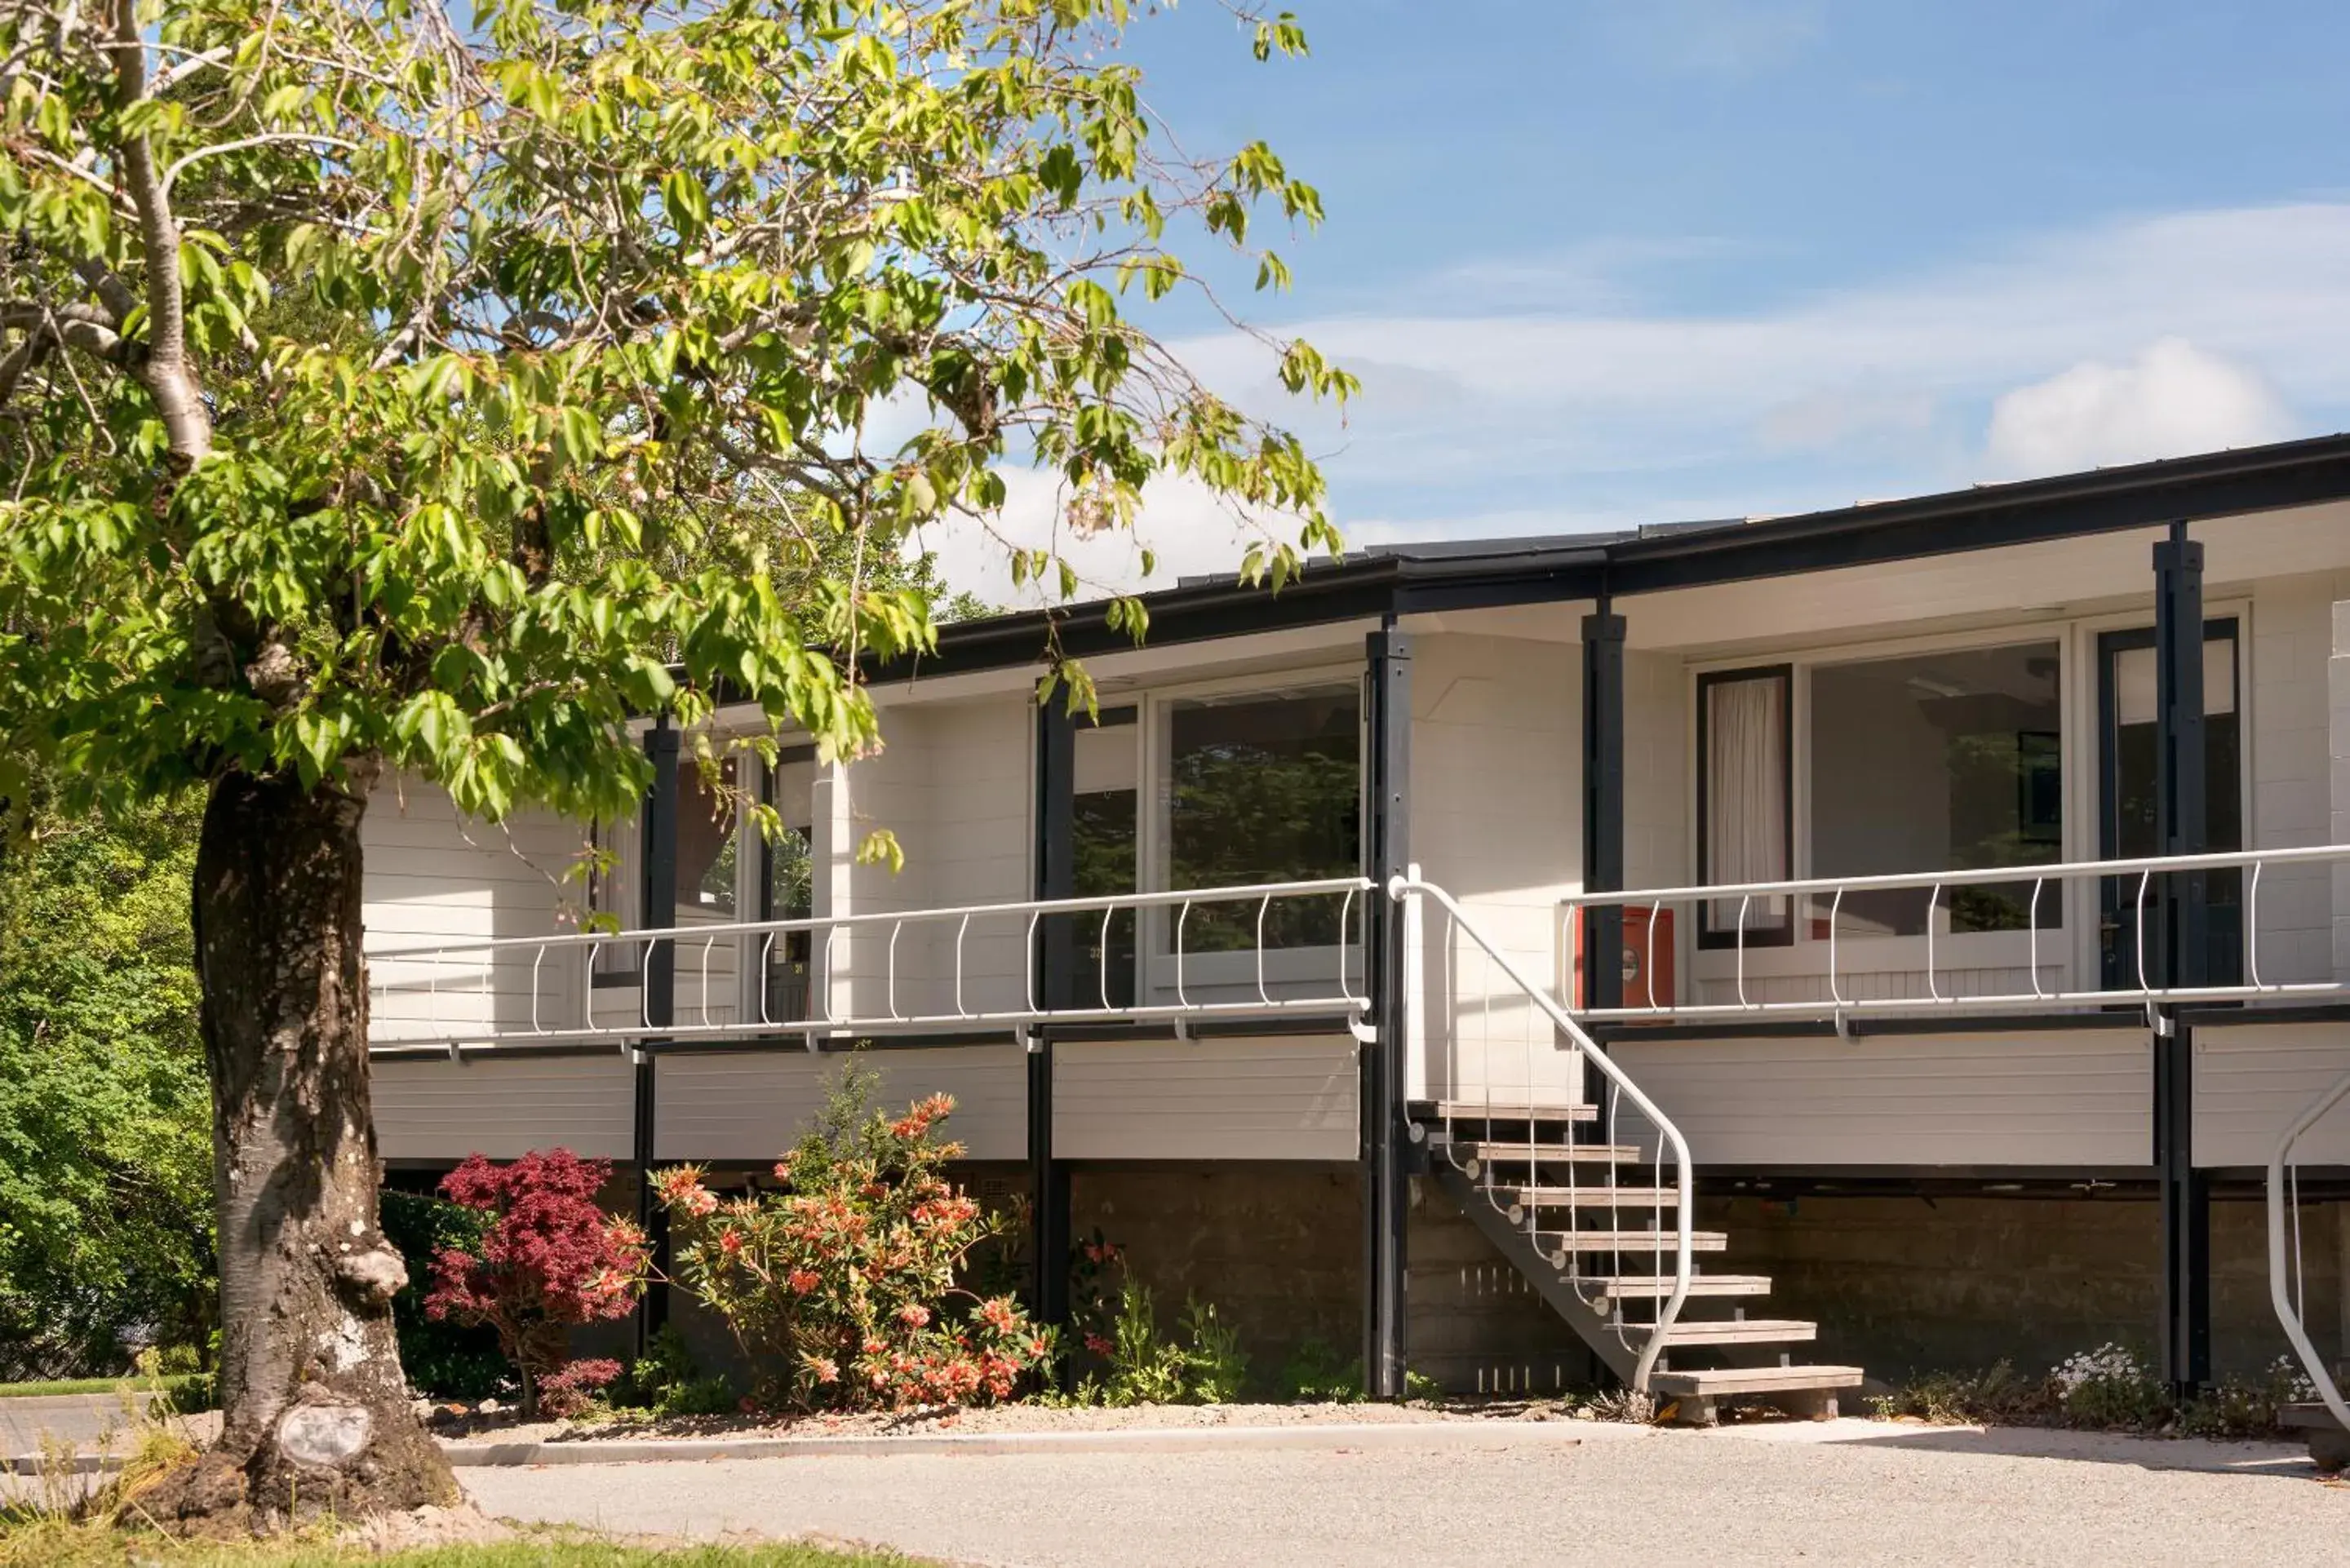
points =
(1745, 797)
(2127, 790)
(1949, 761)
(615, 882)
(705, 844)
(1107, 770)
(787, 882)
(1264, 787)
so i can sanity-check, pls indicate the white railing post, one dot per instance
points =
(2287, 1312)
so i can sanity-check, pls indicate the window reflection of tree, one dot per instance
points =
(1265, 790)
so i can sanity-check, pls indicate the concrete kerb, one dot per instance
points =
(1127, 1440)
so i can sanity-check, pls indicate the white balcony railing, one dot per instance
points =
(2045, 953)
(969, 967)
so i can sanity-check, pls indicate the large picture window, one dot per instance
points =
(1745, 786)
(1937, 762)
(1264, 787)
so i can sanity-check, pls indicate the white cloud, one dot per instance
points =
(1719, 38)
(1539, 410)
(1182, 523)
(1874, 390)
(2174, 398)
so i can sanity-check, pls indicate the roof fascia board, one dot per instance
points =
(2112, 501)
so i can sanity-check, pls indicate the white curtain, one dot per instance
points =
(1746, 796)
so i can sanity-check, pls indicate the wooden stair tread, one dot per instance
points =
(1721, 1380)
(1663, 1243)
(1659, 1287)
(1731, 1331)
(1594, 1197)
(1478, 1111)
(1544, 1153)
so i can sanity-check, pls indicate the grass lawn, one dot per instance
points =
(100, 1386)
(66, 1546)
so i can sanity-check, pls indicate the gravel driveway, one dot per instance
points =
(1853, 1491)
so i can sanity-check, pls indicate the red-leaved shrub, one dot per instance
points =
(548, 1258)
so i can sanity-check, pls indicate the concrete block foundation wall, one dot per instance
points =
(1907, 1284)
(1900, 1284)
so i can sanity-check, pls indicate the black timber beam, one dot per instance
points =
(2181, 828)
(1386, 854)
(657, 907)
(1055, 868)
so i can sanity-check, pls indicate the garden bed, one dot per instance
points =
(1001, 1419)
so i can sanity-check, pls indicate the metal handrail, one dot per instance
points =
(484, 954)
(2040, 994)
(1401, 888)
(2280, 1277)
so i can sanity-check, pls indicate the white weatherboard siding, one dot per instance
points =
(740, 1105)
(2290, 804)
(502, 1105)
(1657, 841)
(2251, 1081)
(2337, 747)
(1281, 1097)
(2063, 1098)
(1496, 812)
(433, 877)
(953, 784)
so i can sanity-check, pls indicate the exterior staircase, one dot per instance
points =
(1596, 1228)
(1593, 1229)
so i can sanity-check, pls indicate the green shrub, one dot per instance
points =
(2246, 1408)
(1217, 1367)
(669, 1381)
(2111, 1386)
(443, 1359)
(1203, 1365)
(1999, 1396)
(1319, 1373)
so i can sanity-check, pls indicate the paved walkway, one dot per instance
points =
(80, 1419)
(1847, 1491)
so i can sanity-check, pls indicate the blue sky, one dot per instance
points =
(1600, 264)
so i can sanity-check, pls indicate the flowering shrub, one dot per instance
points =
(548, 1258)
(847, 1282)
(2110, 1387)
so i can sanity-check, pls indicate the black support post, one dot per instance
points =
(1055, 980)
(658, 910)
(1386, 855)
(2181, 826)
(1603, 802)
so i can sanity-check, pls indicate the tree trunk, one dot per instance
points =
(316, 1413)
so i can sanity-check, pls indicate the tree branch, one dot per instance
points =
(242, 143)
(163, 369)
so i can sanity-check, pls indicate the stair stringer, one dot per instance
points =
(1593, 1326)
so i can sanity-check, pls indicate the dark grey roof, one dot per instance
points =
(1450, 574)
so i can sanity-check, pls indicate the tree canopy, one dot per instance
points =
(376, 383)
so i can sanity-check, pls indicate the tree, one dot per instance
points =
(548, 1260)
(105, 1138)
(386, 392)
